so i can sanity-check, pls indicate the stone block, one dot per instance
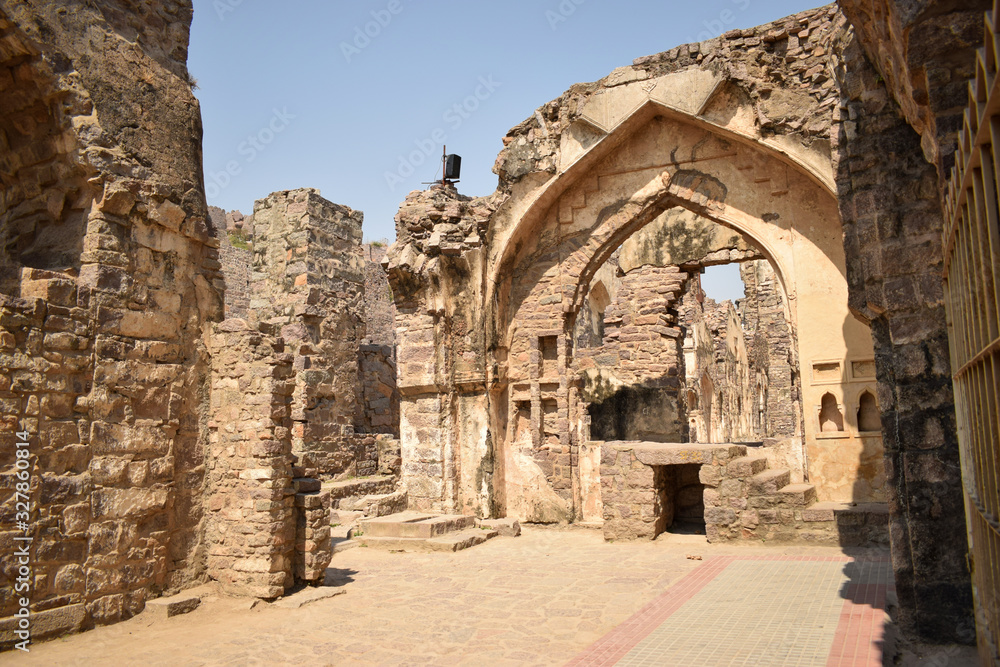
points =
(175, 605)
(711, 475)
(505, 527)
(720, 516)
(46, 624)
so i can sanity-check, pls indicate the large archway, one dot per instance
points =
(660, 163)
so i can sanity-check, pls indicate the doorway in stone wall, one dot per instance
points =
(680, 499)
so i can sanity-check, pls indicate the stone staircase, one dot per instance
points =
(744, 498)
(421, 531)
(753, 501)
(371, 496)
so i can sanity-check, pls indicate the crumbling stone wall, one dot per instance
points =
(379, 410)
(795, 108)
(251, 522)
(160, 450)
(235, 262)
(728, 414)
(108, 268)
(635, 392)
(772, 350)
(267, 527)
(739, 138)
(441, 357)
(308, 282)
(380, 311)
(925, 52)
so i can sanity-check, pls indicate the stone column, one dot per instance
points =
(308, 281)
(251, 503)
(435, 270)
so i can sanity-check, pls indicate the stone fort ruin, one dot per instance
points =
(193, 411)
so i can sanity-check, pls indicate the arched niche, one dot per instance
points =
(869, 418)
(831, 418)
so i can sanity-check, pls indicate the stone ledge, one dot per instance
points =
(172, 606)
(45, 624)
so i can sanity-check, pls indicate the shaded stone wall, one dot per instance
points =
(380, 311)
(892, 231)
(235, 262)
(379, 410)
(925, 53)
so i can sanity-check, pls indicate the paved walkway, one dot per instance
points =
(548, 597)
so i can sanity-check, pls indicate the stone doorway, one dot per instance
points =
(680, 499)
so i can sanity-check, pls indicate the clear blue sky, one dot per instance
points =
(349, 97)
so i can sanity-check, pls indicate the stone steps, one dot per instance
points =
(349, 491)
(769, 481)
(375, 505)
(750, 500)
(421, 531)
(746, 466)
(454, 541)
(798, 495)
(857, 524)
(415, 524)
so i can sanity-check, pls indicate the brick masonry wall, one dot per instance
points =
(925, 54)
(236, 264)
(772, 349)
(379, 410)
(380, 311)
(251, 521)
(265, 529)
(641, 351)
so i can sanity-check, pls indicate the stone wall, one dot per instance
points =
(264, 527)
(308, 282)
(892, 221)
(380, 311)
(379, 409)
(635, 376)
(925, 53)
(778, 131)
(108, 270)
(235, 262)
(251, 520)
(734, 135)
(772, 350)
(648, 486)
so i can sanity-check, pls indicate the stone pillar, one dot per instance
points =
(251, 503)
(308, 281)
(313, 549)
(435, 270)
